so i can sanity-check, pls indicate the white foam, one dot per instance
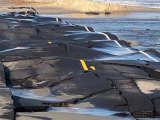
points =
(84, 111)
(29, 94)
(154, 59)
(16, 48)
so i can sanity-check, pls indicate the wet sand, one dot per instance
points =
(58, 116)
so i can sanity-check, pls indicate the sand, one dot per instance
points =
(79, 6)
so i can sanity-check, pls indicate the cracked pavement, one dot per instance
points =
(51, 69)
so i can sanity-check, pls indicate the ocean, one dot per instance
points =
(146, 3)
(142, 29)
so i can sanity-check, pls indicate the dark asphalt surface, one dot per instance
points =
(52, 66)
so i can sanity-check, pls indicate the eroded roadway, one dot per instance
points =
(51, 69)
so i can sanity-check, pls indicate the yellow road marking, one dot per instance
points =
(83, 63)
(49, 42)
(93, 68)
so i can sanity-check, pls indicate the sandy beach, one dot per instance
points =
(79, 6)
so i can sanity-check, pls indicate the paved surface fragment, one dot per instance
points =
(6, 103)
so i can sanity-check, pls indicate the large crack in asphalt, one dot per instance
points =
(138, 113)
(76, 100)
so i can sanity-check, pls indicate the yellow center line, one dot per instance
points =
(93, 68)
(83, 63)
(49, 42)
